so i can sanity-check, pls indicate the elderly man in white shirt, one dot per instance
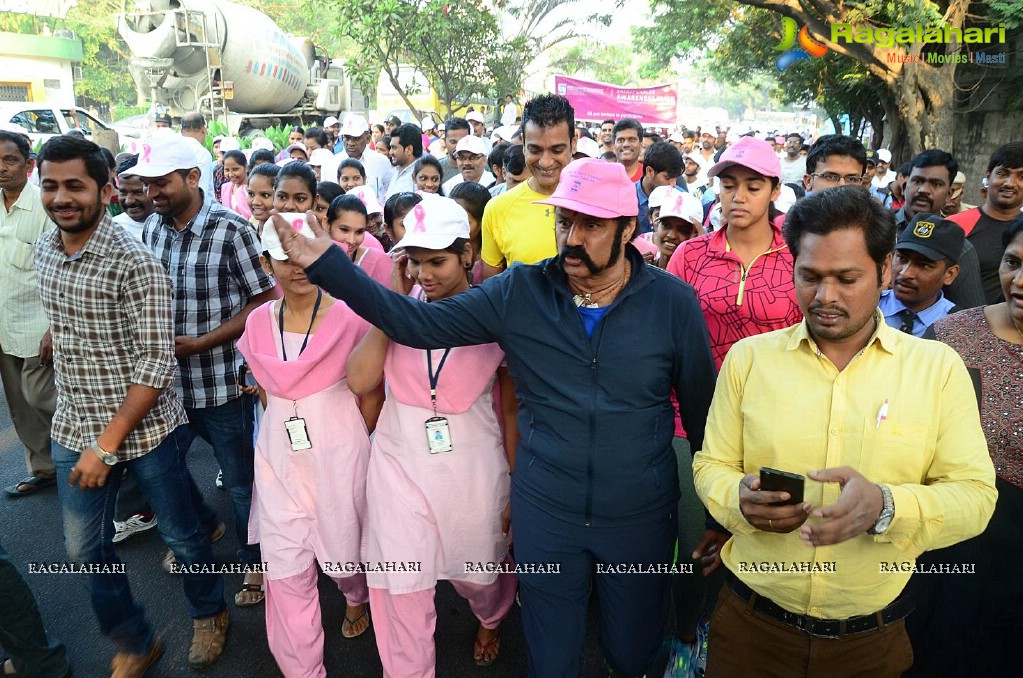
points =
(26, 360)
(355, 135)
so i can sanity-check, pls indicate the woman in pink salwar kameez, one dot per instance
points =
(348, 222)
(440, 500)
(309, 497)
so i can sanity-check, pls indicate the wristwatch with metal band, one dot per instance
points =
(108, 458)
(884, 520)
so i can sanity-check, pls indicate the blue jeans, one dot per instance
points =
(22, 635)
(228, 430)
(89, 531)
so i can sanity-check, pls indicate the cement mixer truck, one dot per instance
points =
(230, 62)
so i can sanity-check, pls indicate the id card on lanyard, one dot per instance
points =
(298, 434)
(438, 433)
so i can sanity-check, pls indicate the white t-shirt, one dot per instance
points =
(882, 182)
(792, 171)
(704, 163)
(130, 225)
(508, 115)
(204, 161)
(379, 171)
(486, 180)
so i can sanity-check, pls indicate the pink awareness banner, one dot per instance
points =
(596, 101)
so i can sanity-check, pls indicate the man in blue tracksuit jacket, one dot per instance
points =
(596, 341)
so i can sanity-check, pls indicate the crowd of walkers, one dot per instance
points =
(558, 365)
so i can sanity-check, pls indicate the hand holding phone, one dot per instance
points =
(763, 508)
(774, 480)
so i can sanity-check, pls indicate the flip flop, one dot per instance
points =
(480, 650)
(348, 624)
(31, 485)
(250, 588)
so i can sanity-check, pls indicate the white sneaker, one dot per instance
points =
(136, 523)
(220, 480)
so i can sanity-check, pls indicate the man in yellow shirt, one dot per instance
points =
(515, 228)
(884, 426)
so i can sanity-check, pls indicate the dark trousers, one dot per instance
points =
(693, 595)
(228, 430)
(970, 623)
(22, 635)
(633, 607)
(744, 642)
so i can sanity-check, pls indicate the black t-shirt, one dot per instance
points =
(986, 238)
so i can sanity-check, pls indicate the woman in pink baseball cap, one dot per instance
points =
(742, 272)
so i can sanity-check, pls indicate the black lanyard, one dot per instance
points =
(434, 378)
(280, 324)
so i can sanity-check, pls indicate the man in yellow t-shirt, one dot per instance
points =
(515, 228)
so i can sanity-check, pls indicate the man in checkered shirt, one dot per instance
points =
(108, 302)
(212, 256)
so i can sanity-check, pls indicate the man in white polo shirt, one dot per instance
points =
(471, 157)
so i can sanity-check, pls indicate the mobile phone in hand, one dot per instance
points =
(774, 480)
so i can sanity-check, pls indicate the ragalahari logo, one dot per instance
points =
(808, 46)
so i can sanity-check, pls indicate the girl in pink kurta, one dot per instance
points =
(439, 505)
(234, 192)
(348, 222)
(309, 498)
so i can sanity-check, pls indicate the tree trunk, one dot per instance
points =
(877, 119)
(925, 94)
(836, 120)
(925, 100)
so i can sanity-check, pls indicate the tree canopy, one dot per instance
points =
(911, 102)
(466, 49)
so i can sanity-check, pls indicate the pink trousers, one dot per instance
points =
(293, 628)
(404, 623)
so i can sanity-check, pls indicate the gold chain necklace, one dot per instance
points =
(589, 300)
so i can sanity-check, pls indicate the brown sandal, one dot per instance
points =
(480, 650)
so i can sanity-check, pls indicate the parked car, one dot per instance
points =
(134, 127)
(43, 122)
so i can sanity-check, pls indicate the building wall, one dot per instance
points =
(988, 114)
(48, 80)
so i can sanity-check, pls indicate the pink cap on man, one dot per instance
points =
(755, 154)
(597, 188)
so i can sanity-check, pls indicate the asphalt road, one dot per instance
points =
(30, 530)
